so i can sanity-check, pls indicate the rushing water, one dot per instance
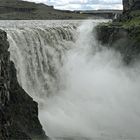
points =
(84, 90)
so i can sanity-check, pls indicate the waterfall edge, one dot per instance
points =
(18, 111)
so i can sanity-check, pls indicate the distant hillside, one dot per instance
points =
(22, 10)
(17, 9)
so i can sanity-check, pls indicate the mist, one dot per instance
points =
(98, 96)
(84, 90)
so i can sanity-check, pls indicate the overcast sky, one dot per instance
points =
(82, 4)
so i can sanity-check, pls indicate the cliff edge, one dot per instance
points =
(123, 34)
(18, 111)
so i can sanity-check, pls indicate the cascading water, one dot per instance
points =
(37, 53)
(83, 89)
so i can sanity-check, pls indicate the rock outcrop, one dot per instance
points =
(18, 111)
(124, 40)
(123, 34)
(129, 5)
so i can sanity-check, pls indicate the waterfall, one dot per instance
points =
(37, 54)
(84, 90)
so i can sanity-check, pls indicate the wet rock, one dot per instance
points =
(18, 112)
(124, 40)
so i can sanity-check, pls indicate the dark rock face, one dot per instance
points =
(124, 40)
(123, 34)
(18, 111)
(136, 5)
(125, 5)
(131, 5)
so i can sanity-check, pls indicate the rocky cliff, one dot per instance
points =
(123, 34)
(18, 111)
(124, 40)
(131, 5)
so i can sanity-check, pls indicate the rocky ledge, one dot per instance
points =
(124, 39)
(18, 112)
(123, 34)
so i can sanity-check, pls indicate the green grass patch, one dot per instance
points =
(135, 21)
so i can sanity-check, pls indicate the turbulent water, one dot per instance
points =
(84, 90)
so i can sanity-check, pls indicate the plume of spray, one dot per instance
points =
(98, 96)
(92, 94)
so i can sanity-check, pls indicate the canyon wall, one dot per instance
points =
(131, 5)
(18, 111)
(123, 34)
(124, 40)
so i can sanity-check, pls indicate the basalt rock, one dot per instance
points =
(129, 5)
(124, 40)
(123, 34)
(18, 112)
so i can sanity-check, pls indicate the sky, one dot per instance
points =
(82, 4)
